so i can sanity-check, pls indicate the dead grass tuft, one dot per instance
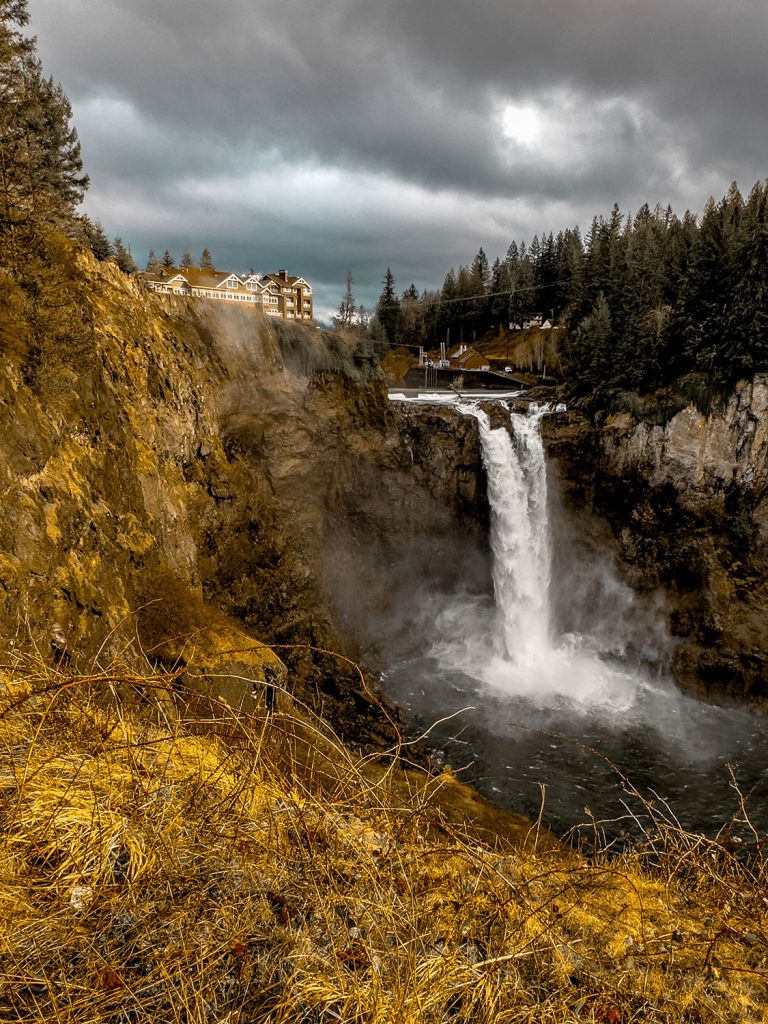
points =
(254, 870)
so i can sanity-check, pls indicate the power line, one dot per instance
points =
(482, 295)
(516, 290)
(493, 295)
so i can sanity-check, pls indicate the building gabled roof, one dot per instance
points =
(196, 277)
(230, 277)
(470, 356)
(287, 281)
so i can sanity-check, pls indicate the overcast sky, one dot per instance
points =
(357, 134)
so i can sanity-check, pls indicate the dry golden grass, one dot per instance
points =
(250, 869)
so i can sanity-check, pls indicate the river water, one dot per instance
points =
(541, 716)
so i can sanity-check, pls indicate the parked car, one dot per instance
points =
(507, 369)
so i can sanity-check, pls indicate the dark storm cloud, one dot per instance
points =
(538, 108)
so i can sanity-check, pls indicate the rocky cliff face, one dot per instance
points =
(163, 462)
(689, 516)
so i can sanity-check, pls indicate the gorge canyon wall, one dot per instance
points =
(685, 503)
(168, 467)
(173, 471)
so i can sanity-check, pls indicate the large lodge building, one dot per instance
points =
(277, 294)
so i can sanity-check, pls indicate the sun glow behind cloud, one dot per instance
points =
(521, 124)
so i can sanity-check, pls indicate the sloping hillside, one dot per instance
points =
(256, 871)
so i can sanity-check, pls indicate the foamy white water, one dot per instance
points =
(517, 652)
(517, 494)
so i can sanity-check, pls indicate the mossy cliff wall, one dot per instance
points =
(687, 507)
(161, 459)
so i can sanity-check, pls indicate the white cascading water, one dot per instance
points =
(517, 494)
(520, 655)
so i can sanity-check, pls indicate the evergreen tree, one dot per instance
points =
(94, 236)
(499, 302)
(41, 179)
(123, 257)
(546, 273)
(534, 256)
(703, 314)
(167, 259)
(206, 260)
(479, 311)
(464, 305)
(681, 235)
(154, 263)
(589, 349)
(512, 258)
(186, 259)
(570, 272)
(522, 302)
(388, 309)
(411, 319)
(747, 341)
(346, 316)
(481, 271)
(430, 318)
(448, 307)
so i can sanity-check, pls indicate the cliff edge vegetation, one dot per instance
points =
(252, 869)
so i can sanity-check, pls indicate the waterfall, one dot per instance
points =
(520, 651)
(560, 649)
(517, 494)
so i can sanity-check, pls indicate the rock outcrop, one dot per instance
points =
(162, 456)
(687, 503)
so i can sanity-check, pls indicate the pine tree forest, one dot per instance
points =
(646, 299)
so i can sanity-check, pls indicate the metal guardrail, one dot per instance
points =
(433, 376)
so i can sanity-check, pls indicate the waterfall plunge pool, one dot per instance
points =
(538, 714)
